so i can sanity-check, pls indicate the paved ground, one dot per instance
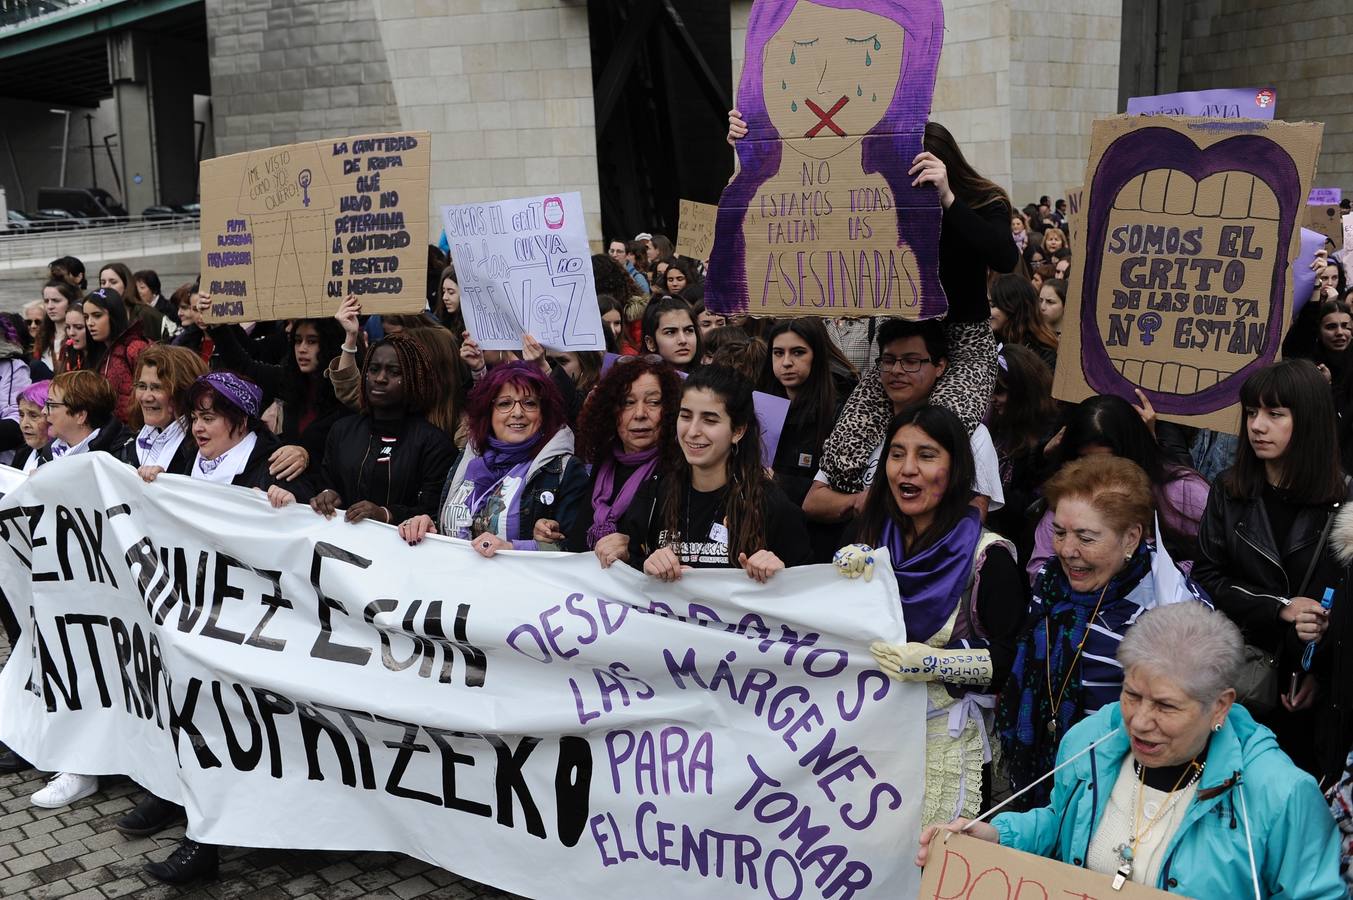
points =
(75, 852)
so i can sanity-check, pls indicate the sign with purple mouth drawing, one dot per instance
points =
(821, 218)
(1189, 230)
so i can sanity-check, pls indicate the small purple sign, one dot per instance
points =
(1224, 103)
(1325, 197)
(1303, 277)
(771, 412)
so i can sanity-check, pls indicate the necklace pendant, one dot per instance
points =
(1121, 876)
(1052, 728)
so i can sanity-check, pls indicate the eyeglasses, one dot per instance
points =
(34, 324)
(908, 364)
(505, 404)
(51, 404)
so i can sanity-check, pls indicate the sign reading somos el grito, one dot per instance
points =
(1183, 278)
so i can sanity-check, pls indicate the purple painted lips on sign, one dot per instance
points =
(1152, 149)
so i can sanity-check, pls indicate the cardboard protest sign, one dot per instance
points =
(532, 721)
(1184, 283)
(821, 218)
(1222, 103)
(288, 232)
(1328, 221)
(1324, 196)
(966, 868)
(695, 229)
(1075, 207)
(525, 267)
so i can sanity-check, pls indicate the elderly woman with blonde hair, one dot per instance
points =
(1175, 786)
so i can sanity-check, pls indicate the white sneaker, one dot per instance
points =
(64, 789)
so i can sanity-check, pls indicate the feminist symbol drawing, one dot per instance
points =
(304, 181)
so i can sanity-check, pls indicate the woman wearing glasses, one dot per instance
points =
(517, 472)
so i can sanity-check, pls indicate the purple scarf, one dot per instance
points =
(488, 470)
(932, 581)
(606, 511)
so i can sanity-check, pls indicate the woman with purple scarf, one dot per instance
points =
(517, 484)
(626, 434)
(962, 597)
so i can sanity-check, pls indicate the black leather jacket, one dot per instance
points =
(1248, 576)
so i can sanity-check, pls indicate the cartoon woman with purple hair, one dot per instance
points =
(822, 218)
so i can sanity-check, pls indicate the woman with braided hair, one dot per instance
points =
(387, 462)
(716, 507)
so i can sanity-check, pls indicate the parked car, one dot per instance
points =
(18, 221)
(93, 205)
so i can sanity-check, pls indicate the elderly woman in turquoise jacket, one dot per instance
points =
(1174, 786)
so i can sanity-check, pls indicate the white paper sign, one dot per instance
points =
(1348, 231)
(531, 721)
(525, 267)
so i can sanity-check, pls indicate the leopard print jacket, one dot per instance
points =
(964, 389)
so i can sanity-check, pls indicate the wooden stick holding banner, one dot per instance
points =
(288, 232)
(525, 267)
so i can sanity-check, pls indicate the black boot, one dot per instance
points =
(11, 762)
(189, 862)
(151, 815)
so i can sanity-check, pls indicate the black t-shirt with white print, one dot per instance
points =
(702, 539)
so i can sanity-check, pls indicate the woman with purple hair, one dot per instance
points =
(517, 484)
(33, 425)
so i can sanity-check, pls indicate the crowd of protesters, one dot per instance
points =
(1069, 574)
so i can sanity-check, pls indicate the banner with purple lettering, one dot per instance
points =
(531, 721)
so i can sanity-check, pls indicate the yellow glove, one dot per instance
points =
(921, 662)
(854, 560)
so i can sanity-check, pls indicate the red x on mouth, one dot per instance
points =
(825, 118)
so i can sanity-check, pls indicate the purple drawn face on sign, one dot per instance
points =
(824, 75)
(1183, 288)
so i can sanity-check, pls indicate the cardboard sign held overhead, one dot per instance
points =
(288, 232)
(968, 868)
(695, 229)
(1326, 220)
(1186, 243)
(821, 218)
(525, 267)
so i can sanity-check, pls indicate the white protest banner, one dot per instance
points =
(1347, 221)
(525, 267)
(531, 721)
(10, 478)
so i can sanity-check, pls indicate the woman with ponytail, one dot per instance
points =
(716, 507)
